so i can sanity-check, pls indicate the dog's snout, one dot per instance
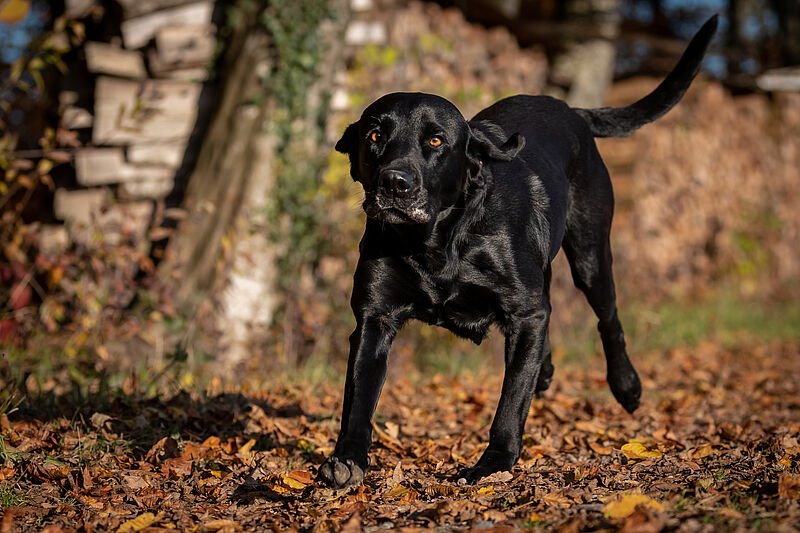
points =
(396, 182)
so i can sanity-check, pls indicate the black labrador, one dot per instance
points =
(463, 221)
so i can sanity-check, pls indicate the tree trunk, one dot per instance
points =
(588, 65)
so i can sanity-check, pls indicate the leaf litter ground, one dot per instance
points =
(713, 447)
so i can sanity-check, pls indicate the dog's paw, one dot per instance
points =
(545, 377)
(489, 463)
(626, 388)
(340, 474)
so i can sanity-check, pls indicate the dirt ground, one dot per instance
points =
(713, 447)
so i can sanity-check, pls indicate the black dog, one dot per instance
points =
(464, 219)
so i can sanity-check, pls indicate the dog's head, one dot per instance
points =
(415, 154)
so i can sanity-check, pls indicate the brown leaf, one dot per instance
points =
(789, 487)
(353, 524)
(7, 523)
(177, 467)
(498, 477)
(165, 448)
(216, 525)
(598, 448)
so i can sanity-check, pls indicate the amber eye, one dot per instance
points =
(435, 141)
(375, 136)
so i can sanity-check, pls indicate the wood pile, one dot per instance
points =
(146, 89)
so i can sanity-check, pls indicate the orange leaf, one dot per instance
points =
(301, 475)
(12, 11)
(598, 448)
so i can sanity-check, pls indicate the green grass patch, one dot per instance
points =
(724, 319)
(10, 496)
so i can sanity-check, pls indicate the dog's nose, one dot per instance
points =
(397, 182)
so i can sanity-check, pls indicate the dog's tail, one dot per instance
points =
(622, 121)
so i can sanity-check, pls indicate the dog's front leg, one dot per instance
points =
(525, 339)
(366, 372)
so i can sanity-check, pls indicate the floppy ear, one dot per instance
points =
(482, 147)
(348, 144)
(349, 141)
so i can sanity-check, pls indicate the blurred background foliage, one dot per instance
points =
(705, 238)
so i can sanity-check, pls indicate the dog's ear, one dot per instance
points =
(349, 141)
(482, 147)
(348, 144)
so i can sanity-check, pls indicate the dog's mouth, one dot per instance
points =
(385, 210)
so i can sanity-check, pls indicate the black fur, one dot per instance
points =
(464, 219)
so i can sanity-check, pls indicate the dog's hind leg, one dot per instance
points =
(586, 244)
(546, 372)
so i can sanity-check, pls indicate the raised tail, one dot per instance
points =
(622, 121)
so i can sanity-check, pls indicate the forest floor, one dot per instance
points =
(713, 447)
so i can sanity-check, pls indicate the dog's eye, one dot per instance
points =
(375, 136)
(435, 141)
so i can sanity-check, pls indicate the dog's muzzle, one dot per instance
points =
(396, 183)
(399, 199)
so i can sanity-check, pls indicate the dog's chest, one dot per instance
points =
(464, 306)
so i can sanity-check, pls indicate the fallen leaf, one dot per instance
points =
(13, 11)
(7, 523)
(292, 483)
(245, 449)
(703, 451)
(140, 522)
(789, 487)
(637, 451)
(393, 430)
(398, 491)
(556, 499)
(731, 513)
(597, 448)
(302, 476)
(623, 507)
(498, 477)
(216, 525)
(397, 474)
(353, 524)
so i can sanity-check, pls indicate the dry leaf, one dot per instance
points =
(216, 525)
(140, 522)
(498, 477)
(703, 451)
(246, 447)
(789, 487)
(302, 476)
(557, 499)
(597, 448)
(637, 451)
(291, 483)
(623, 507)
